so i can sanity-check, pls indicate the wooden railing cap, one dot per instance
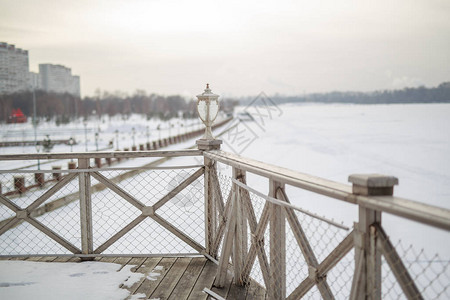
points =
(373, 180)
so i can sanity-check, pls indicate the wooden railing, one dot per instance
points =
(234, 231)
(372, 193)
(39, 202)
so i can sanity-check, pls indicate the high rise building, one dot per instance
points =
(15, 75)
(59, 79)
(14, 69)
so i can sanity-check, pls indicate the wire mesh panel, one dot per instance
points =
(428, 273)
(46, 213)
(133, 212)
(183, 209)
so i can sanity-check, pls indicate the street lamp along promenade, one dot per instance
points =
(208, 108)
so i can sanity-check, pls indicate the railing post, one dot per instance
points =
(85, 208)
(240, 242)
(277, 246)
(210, 207)
(367, 280)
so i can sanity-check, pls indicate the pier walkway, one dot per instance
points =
(180, 277)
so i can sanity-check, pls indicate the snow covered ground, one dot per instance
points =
(86, 280)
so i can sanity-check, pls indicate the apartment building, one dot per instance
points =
(14, 69)
(58, 79)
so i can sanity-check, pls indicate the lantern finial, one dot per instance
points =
(207, 85)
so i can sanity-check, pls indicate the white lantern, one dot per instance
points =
(208, 108)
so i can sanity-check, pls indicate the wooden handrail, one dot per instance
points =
(424, 213)
(105, 154)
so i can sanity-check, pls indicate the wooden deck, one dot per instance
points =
(181, 277)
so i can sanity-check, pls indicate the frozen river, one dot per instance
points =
(411, 142)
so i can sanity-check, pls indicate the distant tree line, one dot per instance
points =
(421, 94)
(64, 107)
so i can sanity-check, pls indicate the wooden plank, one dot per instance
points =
(196, 246)
(357, 288)
(255, 291)
(48, 258)
(62, 259)
(165, 288)
(12, 206)
(9, 224)
(238, 251)
(226, 247)
(123, 261)
(144, 266)
(137, 262)
(209, 211)
(186, 283)
(225, 288)
(120, 234)
(102, 154)
(108, 259)
(221, 228)
(218, 191)
(427, 214)
(119, 191)
(371, 281)
(51, 192)
(257, 246)
(53, 235)
(33, 258)
(395, 262)
(205, 279)
(237, 292)
(178, 189)
(277, 289)
(75, 259)
(87, 240)
(149, 286)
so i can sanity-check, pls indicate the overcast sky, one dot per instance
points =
(240, 48)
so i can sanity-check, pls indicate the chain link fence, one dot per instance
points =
(429, 273)
(24, 238)
(111, 213)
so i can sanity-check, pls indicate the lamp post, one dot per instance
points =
(85, 134)
(34, 118)
(133, 132)
(71, 142)
(38, 149)
(147, 132)
(159, 131)
(208, 108)
(96, 141)
(117, 138)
